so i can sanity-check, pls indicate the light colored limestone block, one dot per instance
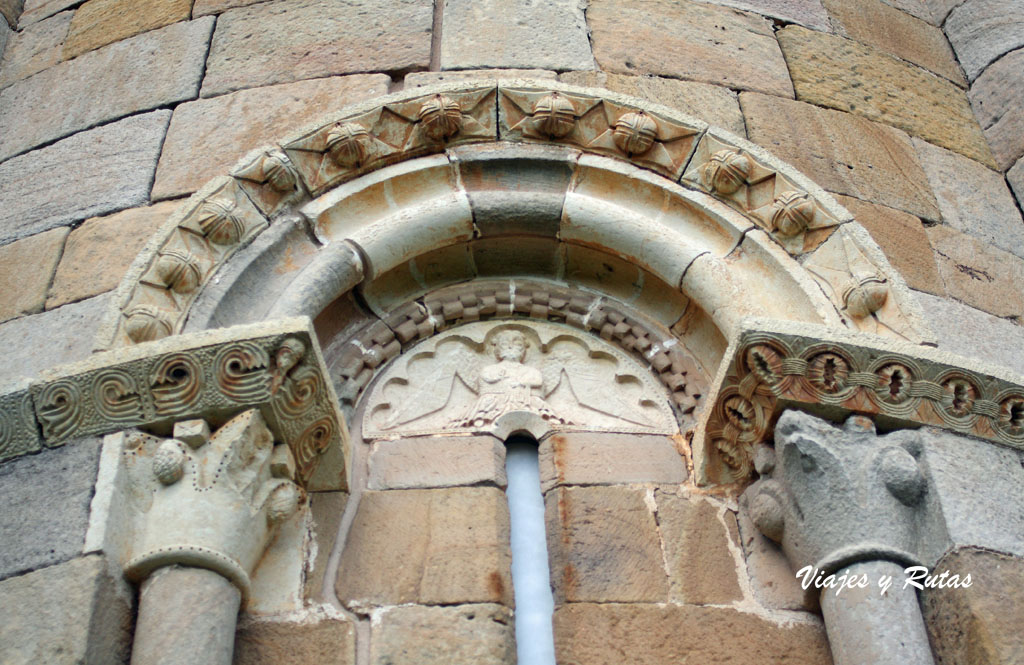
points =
(688, 40)
(804, 12)
(423, 462)
(34, 49)
(549, 34)
(604, 458)
(842, 152)
(995, 96)
(982, 30)
(101, 22)
(49, 331)
(37, 10)
(313, 640)
(65, 615)
(98, 253)
(1015, 177)
(897, 33)
(972, 198)
(26, 267)
(206, 137)
(326, 510)
(701, 567)
(137, 74)
(971, 332)
(416, 79)
(205, 7)
(845, 75)
(903, 240)
(597, 634)
(603, 546)
(480, 634)
(278, 42)
(105, 169)
(977, 273)
(5, 36)
(715, 105)
(440, 546)
(926, 10)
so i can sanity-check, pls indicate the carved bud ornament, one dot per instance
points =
(726, 171)
(554, 115)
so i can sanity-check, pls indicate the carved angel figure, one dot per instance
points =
(463, 385)
(508, 385)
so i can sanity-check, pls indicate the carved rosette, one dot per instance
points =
(219, 223)
(769, 369)
(349, 144)
(440, 118)
(778, 203)
(603, 126)
(179, 270)
(212, 506)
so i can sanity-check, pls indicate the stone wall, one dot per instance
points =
(111, 111)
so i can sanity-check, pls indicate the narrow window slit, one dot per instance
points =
(535, 643)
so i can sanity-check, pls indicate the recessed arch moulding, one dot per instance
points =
(392, 221)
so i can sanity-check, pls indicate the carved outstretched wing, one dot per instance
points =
(568, 367)
(430, 380)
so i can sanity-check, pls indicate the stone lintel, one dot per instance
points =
(275, 367)
(771, 366)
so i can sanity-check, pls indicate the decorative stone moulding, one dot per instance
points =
(650, 346)
(273, 182)
(774, 365)
(209, 502)
(275, 367)
(795, 211)
(605, 126)
(502, 377)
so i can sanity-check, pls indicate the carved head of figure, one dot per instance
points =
(510, 345)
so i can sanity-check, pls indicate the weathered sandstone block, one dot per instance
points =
(67, 614)
(427, 546)
(841, 152)
(33, 49)
(101, 22)
(315, 641)
(140, 73)
(980, 624)
(977, 273)
(688, 40)
(11, 9)
(970, 332)
(208, 136)
(277, 42)
(98, 253)
(416, 79)
(713, 104)
(417, 635)
(1015, 177)
(804, 12)
(701, 566)
(105, 169)
(900, 34)
(37, 10)
(551, 34)
(23, 291)
(44, 523)
(845, 75)
(598, 634)
(605, 458)
(982, 30)
(972, 198)
(426, 461)
(903, 240)
(603, 546)
(996, 99)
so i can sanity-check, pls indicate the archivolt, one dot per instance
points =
(594, 192)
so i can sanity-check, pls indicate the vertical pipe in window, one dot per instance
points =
(535, 642)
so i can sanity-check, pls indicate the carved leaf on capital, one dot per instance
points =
(477, 376)
(212, 505)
